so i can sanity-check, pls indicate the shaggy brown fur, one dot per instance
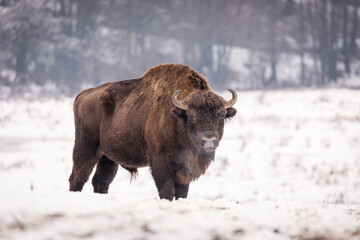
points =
(134, 124)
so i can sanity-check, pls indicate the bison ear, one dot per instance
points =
(230, 112)
(107, 101)
(179, 113)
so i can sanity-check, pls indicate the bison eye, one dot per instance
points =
(221, 117)
(192, 119)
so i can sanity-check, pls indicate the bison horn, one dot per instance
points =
(176, 102)
(231, 103)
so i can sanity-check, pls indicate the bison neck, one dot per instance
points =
(193, 168)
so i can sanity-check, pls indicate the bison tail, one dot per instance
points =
(133, 172)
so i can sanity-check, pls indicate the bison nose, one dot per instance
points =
(209, 142)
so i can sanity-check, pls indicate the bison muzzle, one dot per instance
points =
(168, 119)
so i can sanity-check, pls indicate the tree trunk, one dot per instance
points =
(302, 32)
(353, 45)
(272, 45)
(322, 10)
(311, 9)
(332, 48)
(21, 55)
(345, 39)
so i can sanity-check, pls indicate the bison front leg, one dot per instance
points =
(163, 180)
(104, 175)
(84, 160)
(181, 191)
(165, 186)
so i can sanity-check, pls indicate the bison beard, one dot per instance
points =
(168, 119)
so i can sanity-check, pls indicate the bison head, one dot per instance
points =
(204, 113)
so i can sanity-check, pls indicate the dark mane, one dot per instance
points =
(206, 100)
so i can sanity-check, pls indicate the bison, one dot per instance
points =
(168, 119)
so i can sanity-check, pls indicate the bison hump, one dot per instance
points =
(117, 92)
(107, 101)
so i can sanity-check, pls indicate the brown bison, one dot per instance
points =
(168, 119)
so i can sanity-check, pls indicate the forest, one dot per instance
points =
(63, 46)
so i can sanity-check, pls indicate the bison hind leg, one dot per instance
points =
(133, 172)
(84, 160)
(105, 173)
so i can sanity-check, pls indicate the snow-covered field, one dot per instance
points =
(288, 167)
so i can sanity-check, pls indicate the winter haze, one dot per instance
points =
(288, 166)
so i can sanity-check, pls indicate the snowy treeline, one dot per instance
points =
(66, 45)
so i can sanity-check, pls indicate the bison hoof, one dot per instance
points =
(101, 191)
(75, 187)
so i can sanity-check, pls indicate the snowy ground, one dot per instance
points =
(287, 168)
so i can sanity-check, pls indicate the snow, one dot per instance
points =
(288, 167)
